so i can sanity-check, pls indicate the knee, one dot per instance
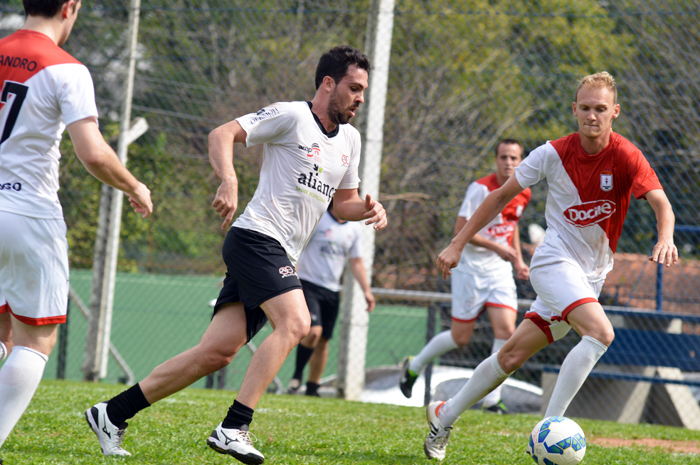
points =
(299, 328)
(312, 339)
(510, 360)
(215, 359)
(603, 335)
(461, 338)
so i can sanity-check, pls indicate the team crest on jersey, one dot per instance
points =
(606, 181)
(345, 160)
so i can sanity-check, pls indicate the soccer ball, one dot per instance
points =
(557, 441)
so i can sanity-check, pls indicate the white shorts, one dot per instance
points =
(33, 269)
(471, 294)
(561, 287)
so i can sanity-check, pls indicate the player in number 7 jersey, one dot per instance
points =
(44, 90)
(590, 176)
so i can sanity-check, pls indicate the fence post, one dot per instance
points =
(63, 346)
(109, 224)
(430, 332)
(354, 318)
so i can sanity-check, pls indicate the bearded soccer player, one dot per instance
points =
(310, 156)
(44, 91)
(590, 175)
(483, 281)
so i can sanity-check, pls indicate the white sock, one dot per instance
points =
(486, 377)
(493, 397)
(19, 378)
(437, 346)
(574, 371)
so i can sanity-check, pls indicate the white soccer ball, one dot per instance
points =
(557, 441)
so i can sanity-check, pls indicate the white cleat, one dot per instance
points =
(109, 435)
(236, 443)
(435, 444)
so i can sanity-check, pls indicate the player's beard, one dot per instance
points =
(335, 110)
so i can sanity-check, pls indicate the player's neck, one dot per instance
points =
(500, 179)
(319, 107)
(593, 146)
(48, 27)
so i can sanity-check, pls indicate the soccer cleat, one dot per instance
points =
(3, 356)
(435, 444)
(236, 443)
(294, 385)
(408, 378)
(498, 408)
(109, 435)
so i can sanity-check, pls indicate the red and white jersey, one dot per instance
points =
(587, 199)
(43, 90)
(478, 260)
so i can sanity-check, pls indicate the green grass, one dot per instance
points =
(295, 430)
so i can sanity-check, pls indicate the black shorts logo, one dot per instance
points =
(287, 271)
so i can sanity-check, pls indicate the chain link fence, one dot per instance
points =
(463, 74)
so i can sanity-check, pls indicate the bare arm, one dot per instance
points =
(506, 252)
(221, 142)
(104, 164)
(664, 252)
(357, 265)
(349, 206)
(492, 205)
(521, 269)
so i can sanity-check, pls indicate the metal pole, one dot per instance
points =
(109, 223)
(430, 332)
(117, 198)
(63, 346)
(354, 317)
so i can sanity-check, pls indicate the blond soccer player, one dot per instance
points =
(590, 175)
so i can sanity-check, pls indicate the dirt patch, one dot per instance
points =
(686, 447)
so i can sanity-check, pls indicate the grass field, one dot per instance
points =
(297, 430)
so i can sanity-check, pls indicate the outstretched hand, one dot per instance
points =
(664, 253)
(375, 213)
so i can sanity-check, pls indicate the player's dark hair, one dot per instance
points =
(43, 8)
(336, 61)
(509, 142)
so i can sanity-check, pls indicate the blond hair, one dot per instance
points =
(602, 79)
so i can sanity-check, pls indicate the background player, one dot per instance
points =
(483, 281)
(590, 175)
(320, 270)
(44, 90)
(310, 156)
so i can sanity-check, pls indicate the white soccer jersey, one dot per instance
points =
(43, 90)
(587, 200)
(323, 260)
(479, 260)
(302, 168)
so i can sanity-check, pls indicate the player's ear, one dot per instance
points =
(328, 83)
(67, 9)
(616, 110)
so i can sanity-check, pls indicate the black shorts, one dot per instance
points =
(257, 269)
(323, 306)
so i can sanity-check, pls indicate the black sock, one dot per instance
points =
(238, 415)
(312, 388)
(125, 405)
(303, 356)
